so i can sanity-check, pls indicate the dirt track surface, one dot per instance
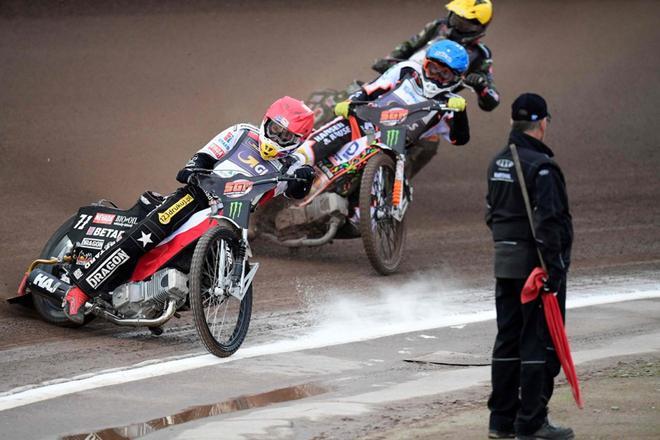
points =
(108, 102)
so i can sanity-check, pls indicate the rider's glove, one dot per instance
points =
(343, 109)
(300, 188)
(184, 175)
(456, 103)
(477, 81)
(382, 64)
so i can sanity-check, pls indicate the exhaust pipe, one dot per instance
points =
(47, 285)
(138, 322)
(333, 227)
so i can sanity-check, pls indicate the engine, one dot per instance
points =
(147, 299)
(316, 214)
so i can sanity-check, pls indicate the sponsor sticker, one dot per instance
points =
(125, 221)
(103, 219)
(83, 258)
(502, 176)
(504, 163)
(165, 217)
(95, 231)
(235, 209)
(237, 188)
(393, 116)
(217, 150)
(109, 266)
(253, 163)
(46, 283)
(92, 243)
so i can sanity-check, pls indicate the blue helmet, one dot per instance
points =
(445, 63)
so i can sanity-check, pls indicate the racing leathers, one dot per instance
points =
(401, 84)
(479, 74)
(113, 266)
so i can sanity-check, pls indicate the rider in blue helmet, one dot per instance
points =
(443, 68)
(407, 83)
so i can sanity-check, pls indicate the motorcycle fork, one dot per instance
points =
(240, 280)
(402, 191)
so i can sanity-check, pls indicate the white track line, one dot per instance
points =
(56, 388)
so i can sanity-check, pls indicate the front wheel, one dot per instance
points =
(57, 246)
(383, 236)
(221, 320)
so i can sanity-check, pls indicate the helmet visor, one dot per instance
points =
(465, 26)
(280, 134)
(439, 72)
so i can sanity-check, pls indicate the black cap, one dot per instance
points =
(529, 107)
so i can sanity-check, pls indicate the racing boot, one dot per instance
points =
(548, 431)
(73, 305)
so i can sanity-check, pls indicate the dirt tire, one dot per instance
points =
(383, 237)
(215, 242)
(57, 246)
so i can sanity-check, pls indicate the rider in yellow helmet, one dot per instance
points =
(465, 24)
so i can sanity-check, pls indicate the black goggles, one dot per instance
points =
(465, 26)
(280, 134)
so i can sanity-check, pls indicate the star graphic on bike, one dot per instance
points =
(145, 239)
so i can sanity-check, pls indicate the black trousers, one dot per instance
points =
(115, 265)
(524, 360)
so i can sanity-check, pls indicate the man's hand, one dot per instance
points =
(551, 285)
(477, 81)
(305, 172)
(382, 64)
(184, 175)
(456, 103)
(342, 109)
(300, 189)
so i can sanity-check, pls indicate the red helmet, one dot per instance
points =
(285, 127)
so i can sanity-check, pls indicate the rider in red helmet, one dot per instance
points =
(286, 125)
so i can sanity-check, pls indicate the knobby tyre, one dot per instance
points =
(383, 236)
(57, 246)
(221, 320)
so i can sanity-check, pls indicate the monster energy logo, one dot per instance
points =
(392, 137)
(235, 209)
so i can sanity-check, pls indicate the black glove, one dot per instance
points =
(477, 81)
(183, 175)
(551, 284)
(298, 189)
(382, 64)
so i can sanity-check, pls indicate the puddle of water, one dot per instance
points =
(137, 430)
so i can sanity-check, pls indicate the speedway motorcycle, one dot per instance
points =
(360, 191)
(323, 102)
(205, 263)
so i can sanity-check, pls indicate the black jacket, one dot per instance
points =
(507, 218)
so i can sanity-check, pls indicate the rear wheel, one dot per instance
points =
(383, 236)
(221, 319)
(58, 245)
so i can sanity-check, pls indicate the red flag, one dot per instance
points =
(530, 291)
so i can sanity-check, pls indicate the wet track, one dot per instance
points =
(108, 101)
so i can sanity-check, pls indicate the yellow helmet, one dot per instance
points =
(481, 10)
